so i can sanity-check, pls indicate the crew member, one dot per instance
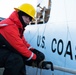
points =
(14, 49)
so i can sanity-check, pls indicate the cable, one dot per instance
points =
(37, 71)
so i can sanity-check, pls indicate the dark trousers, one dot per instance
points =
(12, 62)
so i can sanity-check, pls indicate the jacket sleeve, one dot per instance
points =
(12, 35)
(25, 42)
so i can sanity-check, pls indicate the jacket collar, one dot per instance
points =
(15, 19)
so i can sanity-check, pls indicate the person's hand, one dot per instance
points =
(39, 56)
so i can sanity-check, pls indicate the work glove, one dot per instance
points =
(47, 65)
(39, 56)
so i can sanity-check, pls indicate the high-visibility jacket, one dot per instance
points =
(12, 30)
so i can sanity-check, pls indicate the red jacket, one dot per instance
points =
(9, 29)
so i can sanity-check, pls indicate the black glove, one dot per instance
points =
(39, 56)
(47, 65)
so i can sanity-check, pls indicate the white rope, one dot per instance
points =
(68, 70)
(64, 69)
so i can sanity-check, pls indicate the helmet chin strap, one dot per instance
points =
(20, 13)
